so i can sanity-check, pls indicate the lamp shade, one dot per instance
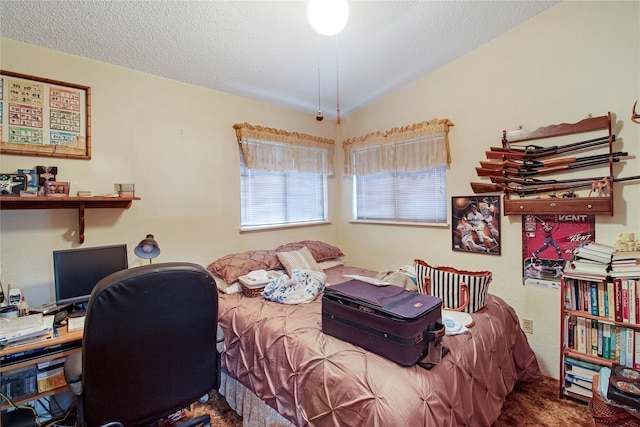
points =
(147, 248)
(328, 17)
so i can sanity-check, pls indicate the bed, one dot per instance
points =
(280, 369)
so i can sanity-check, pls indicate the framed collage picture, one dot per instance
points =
(44, 117)
(476, 224)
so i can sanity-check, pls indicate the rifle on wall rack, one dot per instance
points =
(535, 181)
(532, 164)
(523, 172)
(479, 187)
(536, 151)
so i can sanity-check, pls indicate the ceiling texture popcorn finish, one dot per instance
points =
(267, 50)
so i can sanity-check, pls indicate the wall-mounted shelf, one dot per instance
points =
(553, 206)
(79, 203)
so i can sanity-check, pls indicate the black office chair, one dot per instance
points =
(149, 345)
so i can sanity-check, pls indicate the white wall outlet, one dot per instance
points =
(527, 326)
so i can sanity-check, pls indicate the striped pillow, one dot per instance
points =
(301, 259)
(446, 281)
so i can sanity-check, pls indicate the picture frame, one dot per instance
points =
(44, 117)
(11, 184)
(548, 244)
(476, 224)
(57, 188)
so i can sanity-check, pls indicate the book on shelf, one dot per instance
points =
(583, 381)
(578, 389)
(581, 335)
(625, 273)
(600, 248)
(622, 356)
(574, 274)
(594, 337)
(580, 367)
(625, 255)
(595, 252)
(628, 264)
(617, 295)
(606, 341)
(593, 291)
(636, 357)
(630, 348)
(612, 299)
(614, 344)
(632, 300)
(587, 267)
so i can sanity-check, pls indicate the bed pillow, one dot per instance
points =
(446, 281)
(298, 260)
(331, 263)
(321, 251)
(232, 266)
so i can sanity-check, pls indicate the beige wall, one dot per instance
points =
(176, 143)
(575, 59)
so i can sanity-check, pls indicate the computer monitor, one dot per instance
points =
(77, 271)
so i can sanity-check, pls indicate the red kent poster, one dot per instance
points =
(548, 242)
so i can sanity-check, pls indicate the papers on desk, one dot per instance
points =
(25, 329)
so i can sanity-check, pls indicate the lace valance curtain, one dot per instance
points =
(409, 148)
(280, 151)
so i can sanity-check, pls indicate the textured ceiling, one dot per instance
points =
(267, 50)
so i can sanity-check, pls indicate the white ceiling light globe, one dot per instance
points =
(328, 17)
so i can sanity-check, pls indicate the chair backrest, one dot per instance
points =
(149, 345)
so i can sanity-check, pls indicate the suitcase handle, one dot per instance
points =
(464, 295)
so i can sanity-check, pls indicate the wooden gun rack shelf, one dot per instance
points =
(570, 205)
(79, 203)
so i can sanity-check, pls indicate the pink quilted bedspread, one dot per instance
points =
(280, 353)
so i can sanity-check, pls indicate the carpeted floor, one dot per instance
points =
(529, 405)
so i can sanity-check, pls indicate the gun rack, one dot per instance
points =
(591, 205)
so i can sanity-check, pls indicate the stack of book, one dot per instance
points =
(590, 261)
(625, 264)
(578, 378)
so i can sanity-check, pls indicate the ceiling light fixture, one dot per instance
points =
(337, 83)
(328, 17)
(319, 116)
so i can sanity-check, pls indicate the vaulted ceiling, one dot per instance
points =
(267, 50)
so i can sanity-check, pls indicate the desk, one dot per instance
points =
(66, 342)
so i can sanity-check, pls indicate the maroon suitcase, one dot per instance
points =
(387, 320)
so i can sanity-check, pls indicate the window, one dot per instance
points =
(418, 197)
(283, 177)
(400, 175)
(270, 198)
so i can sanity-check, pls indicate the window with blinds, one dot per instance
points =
(398, 196)
(283, 177)
(272, 199)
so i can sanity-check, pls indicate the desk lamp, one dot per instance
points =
(147, 248)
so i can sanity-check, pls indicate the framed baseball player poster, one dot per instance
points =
(476, 224)
(548, 242)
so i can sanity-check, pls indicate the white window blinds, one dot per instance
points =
(283, 177)
(400, 175)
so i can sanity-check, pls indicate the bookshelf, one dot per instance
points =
(600, 326)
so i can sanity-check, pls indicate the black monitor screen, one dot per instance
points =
(77, 271)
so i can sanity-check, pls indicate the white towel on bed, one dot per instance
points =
(303, 286)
